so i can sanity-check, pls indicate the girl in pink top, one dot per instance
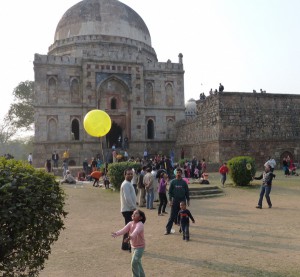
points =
(137, 241)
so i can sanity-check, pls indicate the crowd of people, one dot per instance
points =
(159, 179)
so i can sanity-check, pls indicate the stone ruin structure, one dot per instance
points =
(233, 124)
(102, 58)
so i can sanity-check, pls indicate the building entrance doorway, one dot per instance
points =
(114, 137)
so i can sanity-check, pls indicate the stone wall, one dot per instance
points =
(232, 124)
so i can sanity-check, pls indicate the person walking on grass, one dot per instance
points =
(223, 170)
(183, 219)
(135, 228)
(267, 177)
(178, 191)
(162, 192)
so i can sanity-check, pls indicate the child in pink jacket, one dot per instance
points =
(135, 228)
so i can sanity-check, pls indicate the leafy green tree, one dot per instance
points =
(31, 217)
(241, 170)
(21, 112)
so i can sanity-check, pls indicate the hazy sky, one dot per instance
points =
(244, 44)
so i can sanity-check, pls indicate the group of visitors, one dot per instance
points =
(133, 232)
(176, 194)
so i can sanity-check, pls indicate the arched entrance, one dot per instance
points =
(150, 129)
(114, 136)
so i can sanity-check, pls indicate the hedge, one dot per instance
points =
(116, 172)
(31, 217)
(241, 170)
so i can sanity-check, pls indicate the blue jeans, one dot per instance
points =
(223, 179)
(185, 228)
(150, 198)
(265, 190)
(136, 262)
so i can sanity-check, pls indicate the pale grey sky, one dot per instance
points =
(244, 44)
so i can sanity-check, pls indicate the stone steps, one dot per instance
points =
(198, 191)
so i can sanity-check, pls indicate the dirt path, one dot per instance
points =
(230, 237)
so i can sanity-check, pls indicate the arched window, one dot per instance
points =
(150, 129)
(170, 129)
(75, 129)
(169, 95)
(149, 96)
(52, 130)
(52, 91)
(113, 104)
(74, 87)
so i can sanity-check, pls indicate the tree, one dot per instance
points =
(31, 217)
(19, 147)
(21, 113)
(6, 132)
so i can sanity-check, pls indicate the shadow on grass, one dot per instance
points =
(246, 187)
(246, 271)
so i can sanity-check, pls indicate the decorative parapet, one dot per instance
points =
(59, 60)
(101, 38)
(168, 66)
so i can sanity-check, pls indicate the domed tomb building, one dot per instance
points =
(102, 58)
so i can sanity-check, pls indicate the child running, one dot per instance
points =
(137, 241)
(184, 216)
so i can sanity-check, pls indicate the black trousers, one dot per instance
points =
(127, 217)
(162, 202)
(173, 215)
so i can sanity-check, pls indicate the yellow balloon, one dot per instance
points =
(97, 123)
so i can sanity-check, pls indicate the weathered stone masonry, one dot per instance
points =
(232, 124)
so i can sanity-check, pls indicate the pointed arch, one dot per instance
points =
(149, 94)
(113, 103)
(169, 95)
(150, 129)
(170, 128)
(74, 90)
(75, 130)
(113, 87)
(52, 90)
(52, 129)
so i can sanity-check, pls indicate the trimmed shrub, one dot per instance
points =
(31, 217)
(241, 170)
(181, 162)
(116, 172)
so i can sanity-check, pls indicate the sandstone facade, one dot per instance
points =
(102, 58)
(232, 124)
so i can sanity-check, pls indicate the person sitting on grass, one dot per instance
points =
(68, 178)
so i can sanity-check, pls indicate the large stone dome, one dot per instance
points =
(102, 17)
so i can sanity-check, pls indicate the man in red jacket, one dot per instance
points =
(223, 171)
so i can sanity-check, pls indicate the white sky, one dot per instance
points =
(244, 44)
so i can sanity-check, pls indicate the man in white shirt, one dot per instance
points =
(128, 201)
(30, 158)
